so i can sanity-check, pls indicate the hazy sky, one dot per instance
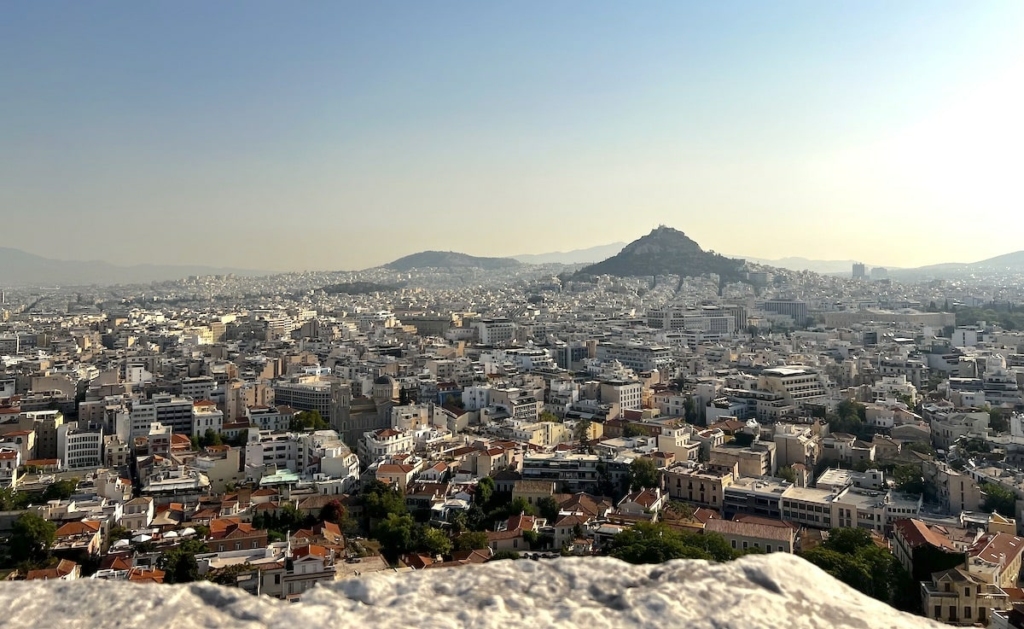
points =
(290, 135)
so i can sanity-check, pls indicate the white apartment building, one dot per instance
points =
(635, 356)
(495, 331)
(386, 442)
(477, 397)
(206, 416)
(269, 418)
(797, 385)
(80, 446)
(530, 359)
(278, 450)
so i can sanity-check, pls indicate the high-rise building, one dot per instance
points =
(859, 271)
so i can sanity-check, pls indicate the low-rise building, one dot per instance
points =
(743, 535)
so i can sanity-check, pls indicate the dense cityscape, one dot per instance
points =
(272, 433)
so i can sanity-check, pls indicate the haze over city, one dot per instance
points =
(344, 136)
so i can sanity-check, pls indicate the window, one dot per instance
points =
(734, 544)
(967, 591)
(967, 613)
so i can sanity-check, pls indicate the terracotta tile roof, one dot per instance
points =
(705, 515)
(521, 523)
(312, 549)
(63, 569)
(992, 547)
(82, 527)
(917, 533)
(146, 575)
(750, 529)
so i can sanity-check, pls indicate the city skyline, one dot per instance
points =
(191, 133)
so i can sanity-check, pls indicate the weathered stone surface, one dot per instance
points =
(765, 591)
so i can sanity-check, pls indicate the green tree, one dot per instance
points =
(997, 421)
(31, 538)
(999, 499)
(380, 500)
(179, 563)
(505, 554)
(657, 542)
(476, 540)
(396, 534)
(787, 473)
(308, 420)
(850, 555)
(548, 509)
(332, 512)
(435, 542)
(484, 491)
(689, 410)
(60, 490)
(908, 479)
(643, 473)
(520, 506)
(11, 500)
(549, 417)
(581, 431)
(629, 431)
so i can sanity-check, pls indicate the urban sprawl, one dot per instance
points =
(277, 432)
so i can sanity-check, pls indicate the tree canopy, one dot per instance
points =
(851, 555)
(379, 500)
(395, 534)
(850, 417)
(60, 490)
(474, 540)
(179, 563)
(31, 538)
(643, 473)
(332, 512)
(999, 499)
(656, 542)
(309, 420)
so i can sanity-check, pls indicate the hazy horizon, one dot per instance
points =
(343, 136)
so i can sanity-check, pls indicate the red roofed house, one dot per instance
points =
(644, 502)
(141, 574)
(509, 535)
(396, 475)
(924, 550)
(84, 536)
(65, 571)
(996, 559)
(228, 534)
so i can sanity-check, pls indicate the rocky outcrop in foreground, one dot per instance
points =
(765, 591)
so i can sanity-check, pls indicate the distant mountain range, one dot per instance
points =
(663, 251)
(450, 260)
(19, 268)
(666, 251)
(576, 256)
